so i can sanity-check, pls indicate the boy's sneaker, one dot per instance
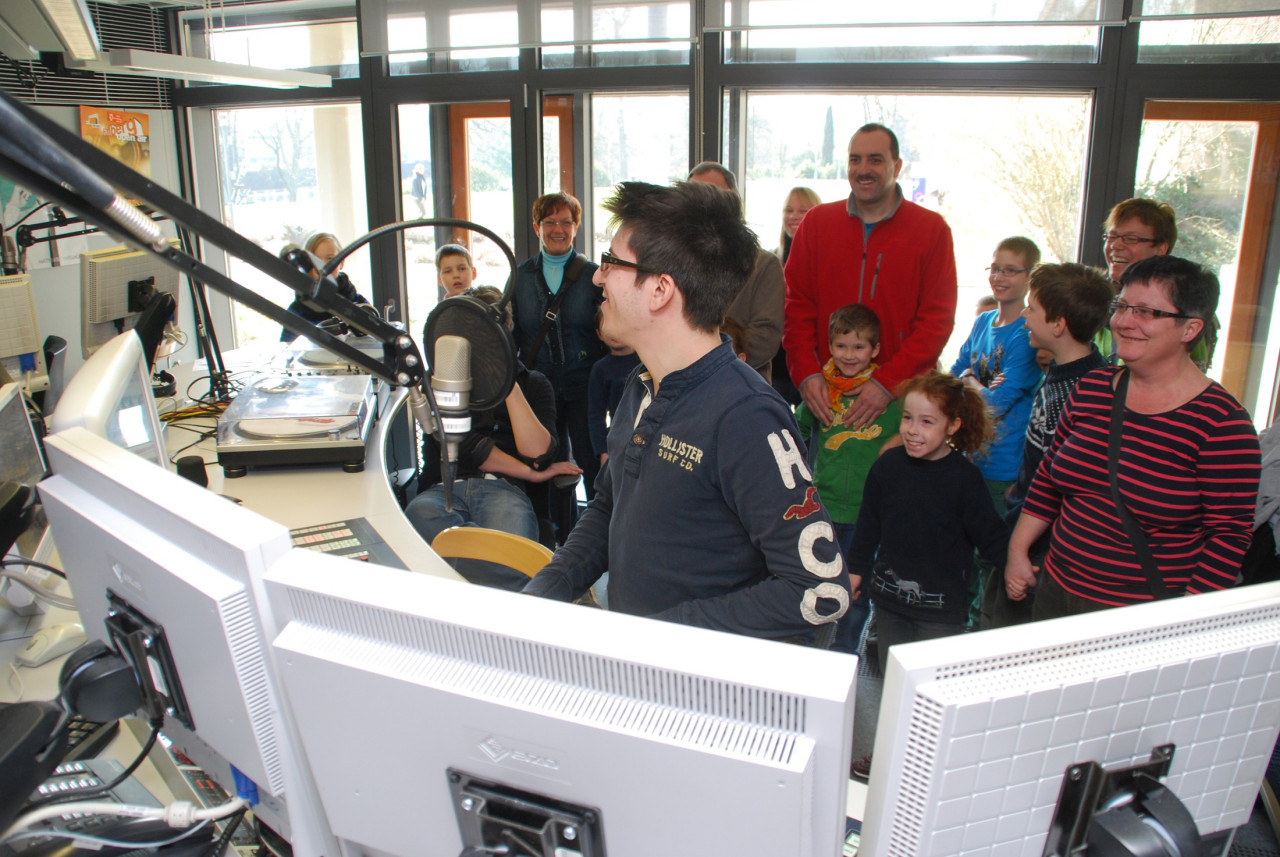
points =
(860, 770)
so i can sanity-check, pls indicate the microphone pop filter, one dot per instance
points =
(493, 352)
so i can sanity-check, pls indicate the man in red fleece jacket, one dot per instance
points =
(876, 249)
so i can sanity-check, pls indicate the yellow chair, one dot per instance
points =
(524, 555)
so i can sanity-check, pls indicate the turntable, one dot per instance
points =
(290, 420)
(303, 357)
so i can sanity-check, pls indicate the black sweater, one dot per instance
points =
(926, 518)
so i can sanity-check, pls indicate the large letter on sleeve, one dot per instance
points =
(786, 452)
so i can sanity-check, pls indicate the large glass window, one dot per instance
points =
(257, 38)
(479, 189)
(635, 137)
(452, 35)
(460, 35)
(931, 30)
(1207, 31)
(606, 32)
(1202, 170)
(1210, 161)
(993, 165)
(287, 173)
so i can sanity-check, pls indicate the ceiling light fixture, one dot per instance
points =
(174, 66)
(70, 19)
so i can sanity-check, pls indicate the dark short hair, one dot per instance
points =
(1024, 247)
(547, 204)
(693, 232)
(1076, 293)
(855, 317)
(876, 126)
(491, 295)
(453, 250)
(1193, 289)
(715, 167)
(1159, 216)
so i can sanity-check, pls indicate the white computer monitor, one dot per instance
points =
(144, 549)
(21, 348)
(428, 707)
(20, 458)
(111, 396)
(115, 285)
(22, 462)
(976, 732)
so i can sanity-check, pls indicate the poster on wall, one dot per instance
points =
(121, 134)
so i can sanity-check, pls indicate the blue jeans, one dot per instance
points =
(495, 504)
(849, 626)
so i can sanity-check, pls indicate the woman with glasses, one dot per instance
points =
(1186, 463)
(554, 306)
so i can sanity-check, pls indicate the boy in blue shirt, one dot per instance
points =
(997, 359)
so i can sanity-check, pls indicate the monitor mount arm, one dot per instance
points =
(1123, 811)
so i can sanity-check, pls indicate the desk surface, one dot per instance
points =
(319, 494)
(292, 496)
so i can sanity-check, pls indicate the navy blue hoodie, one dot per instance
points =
(705, 512)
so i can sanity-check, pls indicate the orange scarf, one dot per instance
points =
(840, 386)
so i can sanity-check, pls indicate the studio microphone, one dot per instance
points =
(473, 365)
(451, 385)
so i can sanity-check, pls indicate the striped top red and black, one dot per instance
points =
(1189, 477)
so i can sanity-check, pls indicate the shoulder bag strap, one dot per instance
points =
(1136, 536)
(548, 320)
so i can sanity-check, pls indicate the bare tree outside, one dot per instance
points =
(1202, 170)
(290, 142)
(1038, 164)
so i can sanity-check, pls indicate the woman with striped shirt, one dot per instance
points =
(1187, 469)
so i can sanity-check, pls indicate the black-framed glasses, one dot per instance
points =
(607, 259)
(1144, 313)
(1128, 238)
(1008, 271)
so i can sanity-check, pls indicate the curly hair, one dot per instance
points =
(959, 401)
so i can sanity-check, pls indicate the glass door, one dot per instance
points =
(1209, 161)
(476, 184)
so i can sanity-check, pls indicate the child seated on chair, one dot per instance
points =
(508, 446)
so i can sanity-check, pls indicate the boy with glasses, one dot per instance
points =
(998, 361)
(1134, 230)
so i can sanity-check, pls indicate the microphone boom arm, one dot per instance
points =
(23, 131)
(53, 163)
